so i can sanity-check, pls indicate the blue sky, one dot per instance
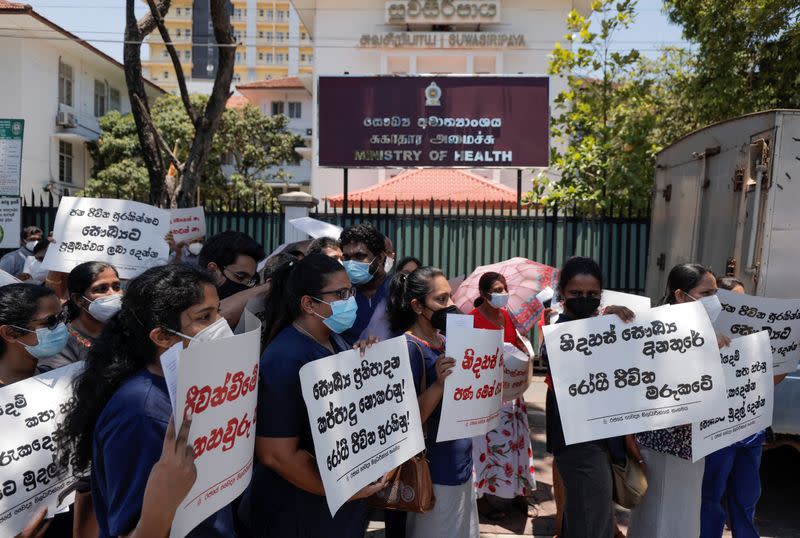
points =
(102, 22)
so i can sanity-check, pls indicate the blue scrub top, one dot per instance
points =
(272, 506)
(366, 308)
(127, 442)
(450, 461)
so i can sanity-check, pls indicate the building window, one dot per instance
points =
(261, 56)
(115, 100)
(238, 57)
(280, 37)
(303, 58)
(277, 107)
(269, 58)
(166, 75)
(279, 58)
(261, 13)
(178, 32)
(65, 84)
(238, 14)
(188, 33)
(280, 16)
(99, 98)
(303, 36)
(188, 11)
(269, 36)
(295, 110)
(238, 36)
(237, 77)
(311, 58)
(64, 161)
(260, 35)
(178, 11)
(187, 55)
(269, 14)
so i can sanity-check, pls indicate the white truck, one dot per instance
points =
(728, 196)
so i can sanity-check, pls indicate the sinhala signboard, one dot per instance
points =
(11, 132)
(433, 121)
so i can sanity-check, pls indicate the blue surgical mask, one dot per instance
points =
(498, 300)
(50, 341)
(343, 314)
(358, 272)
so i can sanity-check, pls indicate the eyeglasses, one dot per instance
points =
(342, 294)
(242, 278)
(51, 322)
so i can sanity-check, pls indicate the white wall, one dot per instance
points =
(29, 90)
(343, 22)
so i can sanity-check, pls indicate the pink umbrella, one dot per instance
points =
(525, 279)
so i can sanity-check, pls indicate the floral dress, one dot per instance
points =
(504, 457)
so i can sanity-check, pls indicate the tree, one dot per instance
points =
(748, 54)
(205, 121)
(618, 110)
(265, 142)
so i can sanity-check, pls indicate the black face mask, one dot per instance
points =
(230, 288)
(582, 307)
(439, 317)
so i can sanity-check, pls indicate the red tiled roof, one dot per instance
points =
(237, 101)
(445, 186)
(273, 84)
(13, 5)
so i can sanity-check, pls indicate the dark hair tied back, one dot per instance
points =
(684, 277)
(403, 289)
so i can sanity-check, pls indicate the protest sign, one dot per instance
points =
(746, 314)
(187, 224)
(363, 414)
(128, 235)
(473, 393)
(635, 303)
(316, 228)
(747, 363)
(30, 413)
(613, 378)
(6, 279)
(516, 372)
(217, 383)
(10, 221)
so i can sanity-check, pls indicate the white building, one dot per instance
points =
(374, 37)
(60, 86)
(290, 96)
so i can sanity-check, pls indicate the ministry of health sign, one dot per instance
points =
(443, 11)
(433, 121)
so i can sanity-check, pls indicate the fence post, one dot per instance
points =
(295, 205)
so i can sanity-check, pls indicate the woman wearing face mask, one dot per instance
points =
(311, 303)
(31, 328)
(418, 305)
(95, 296)
(503, 457)
(118, 426)
(584, 467)
(671, 506)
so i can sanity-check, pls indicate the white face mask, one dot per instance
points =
(103, 308)
(388, 264)
(30, 245)
(195, 248)
(216, 331)
(711, 304)
(498, 300)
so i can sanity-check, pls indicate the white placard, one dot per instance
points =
(473, 393)
(516, 372)
(187, 224)
(746, 314)
(635, 303)
(748, 374)
(6, 279)
(128, 235)
(316, 228)
(613, 378)
(30, 413)
(218, 382)
(10, 221)
(363, 414)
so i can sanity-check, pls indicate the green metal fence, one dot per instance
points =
(459, 239)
